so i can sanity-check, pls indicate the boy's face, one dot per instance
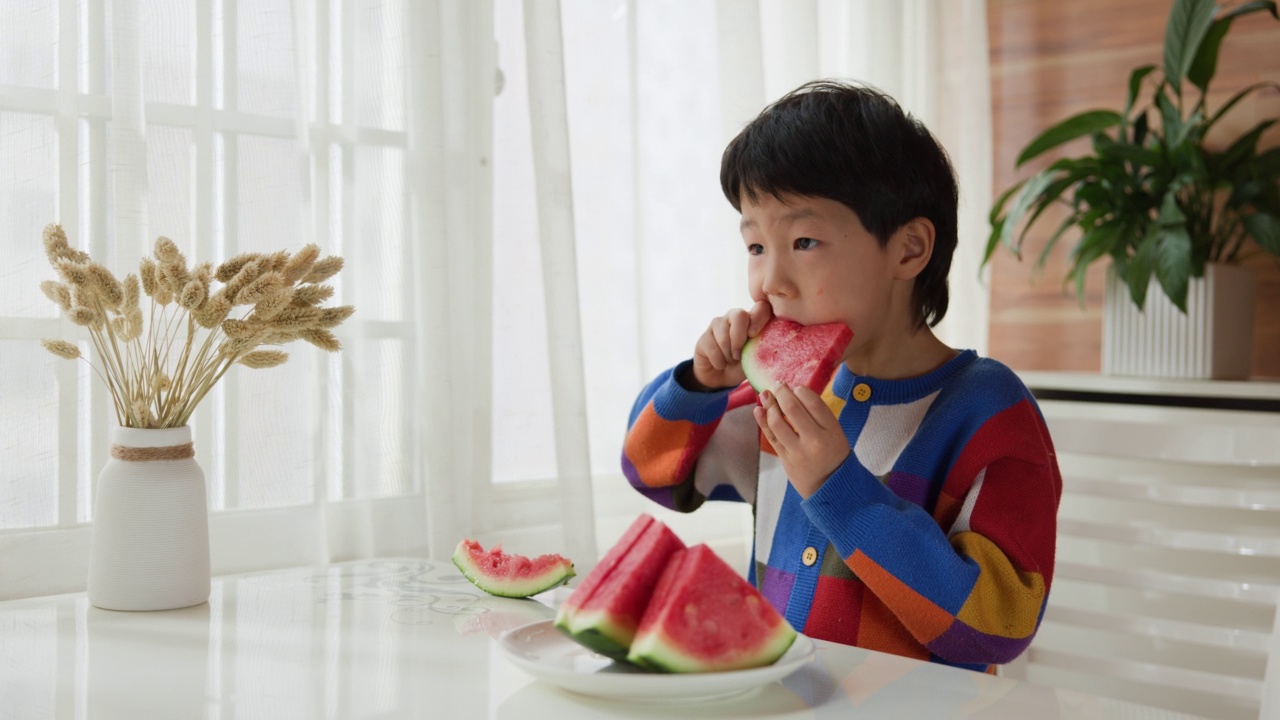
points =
(812, 260)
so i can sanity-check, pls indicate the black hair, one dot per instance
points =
(855, 145)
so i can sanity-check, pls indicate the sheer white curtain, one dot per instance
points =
(526, 194)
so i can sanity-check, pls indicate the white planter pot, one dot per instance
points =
(150, 542)
(1213, 340)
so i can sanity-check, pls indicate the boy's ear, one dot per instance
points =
(913, 244)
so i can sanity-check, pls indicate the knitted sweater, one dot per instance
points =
(934, 539)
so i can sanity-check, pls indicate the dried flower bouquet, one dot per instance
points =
(159, 368)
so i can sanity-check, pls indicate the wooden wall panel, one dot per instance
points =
(1051, 59)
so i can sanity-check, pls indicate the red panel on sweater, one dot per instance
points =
(834, 615)
(1015, 515)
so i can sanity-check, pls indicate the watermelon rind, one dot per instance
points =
(598, 632)
(760, 379)
(659, 652)
(554, 576)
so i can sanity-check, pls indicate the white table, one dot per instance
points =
(410, 638)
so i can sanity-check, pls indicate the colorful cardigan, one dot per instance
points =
(934, 539)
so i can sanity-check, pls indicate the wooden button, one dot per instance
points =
(862, 392)
(810, 556)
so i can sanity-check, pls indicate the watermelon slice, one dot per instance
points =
(605, 610)
(704, 617)
(795, 354)
(516, 576)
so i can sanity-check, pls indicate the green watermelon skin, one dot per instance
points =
(605, 610)
(513, 576)
(705, 617)
(795, 354)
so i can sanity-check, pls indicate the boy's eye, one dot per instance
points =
(755, 249)
(805, 243)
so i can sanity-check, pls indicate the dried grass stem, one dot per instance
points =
(159, 367)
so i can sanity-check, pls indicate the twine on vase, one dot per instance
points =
(146, 454)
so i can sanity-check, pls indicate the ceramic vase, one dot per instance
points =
(150, 542)
(1212, 340)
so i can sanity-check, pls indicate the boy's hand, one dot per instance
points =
(805, 434)
(717, 358)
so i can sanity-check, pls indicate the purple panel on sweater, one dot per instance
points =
(961, 643)
(911, 488)
(777, 588)
(663, 496)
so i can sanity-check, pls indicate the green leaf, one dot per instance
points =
(1135, 84)
(1244, 193)
(1170, 119)
(1048, 196)
(993, 241)
(1104, 145)
(1237, 98)
(1137, 273)
(1250, 7)
(1265, 230)
(1053, 239)
(1173, 264)
(1120, 265)
(1172, 250)
(1245, 146)
(1188, 23)
(1205, 65)
(1095, 195)
(1140, 127)
(1086, 123)
(1093, 245)
(1022, 203)
(998, 206)
(1268, 163)
(997, 222)
(1192, 130)
(1170, 214)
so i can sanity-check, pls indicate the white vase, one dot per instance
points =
(150, 542)
(1212, 340)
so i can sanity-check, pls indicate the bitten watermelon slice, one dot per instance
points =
(516, 576)
(704, 617)
(605, 610)
(795, 354)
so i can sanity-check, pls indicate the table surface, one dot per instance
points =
(406, 638)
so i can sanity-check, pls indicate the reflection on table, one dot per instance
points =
(412, 638)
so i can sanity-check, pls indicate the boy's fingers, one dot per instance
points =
(783, 434)
(762, 419)
(709, 349)
(760, 315)
(818, 410)
(795, 411)
(767, 424)
(739, 325)
(720, 334)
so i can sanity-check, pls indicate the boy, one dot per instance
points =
(911, 508)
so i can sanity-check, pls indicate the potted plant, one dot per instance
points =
(162, 339)
(1158, 199)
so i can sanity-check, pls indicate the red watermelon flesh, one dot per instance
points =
(510, 575)
(605, 610)
(794, 354)
(705, 617)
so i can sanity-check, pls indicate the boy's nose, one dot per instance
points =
(775, 280)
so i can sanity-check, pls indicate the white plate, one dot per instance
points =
(546, 653)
